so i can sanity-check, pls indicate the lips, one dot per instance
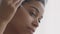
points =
(31, 29)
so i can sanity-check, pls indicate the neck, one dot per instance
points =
(10, 30)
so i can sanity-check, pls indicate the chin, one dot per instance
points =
(26, 32)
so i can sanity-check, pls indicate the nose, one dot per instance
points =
(35, 23)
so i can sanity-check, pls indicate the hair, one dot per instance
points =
(42, 1)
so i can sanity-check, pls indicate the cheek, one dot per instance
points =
(22, 19)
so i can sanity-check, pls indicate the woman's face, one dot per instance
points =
(27, 18)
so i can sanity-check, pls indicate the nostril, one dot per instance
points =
(35, 24)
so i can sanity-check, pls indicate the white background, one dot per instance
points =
(50, 24)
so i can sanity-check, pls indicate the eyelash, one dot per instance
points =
(39, 21)
(32, 14)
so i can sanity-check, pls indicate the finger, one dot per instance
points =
(7, 1)
(16, 1)
(0, 2)
(18, 4)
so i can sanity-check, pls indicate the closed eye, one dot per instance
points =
(32, 14)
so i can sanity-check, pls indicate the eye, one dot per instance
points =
(32, 14)
(39, 21)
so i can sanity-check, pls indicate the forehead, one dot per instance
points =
(38, 5)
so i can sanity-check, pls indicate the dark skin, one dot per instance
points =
(8, 9)
(25, 19)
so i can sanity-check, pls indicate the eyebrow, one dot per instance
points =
(37, 11)
(35, 8)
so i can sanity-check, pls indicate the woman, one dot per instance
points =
(23, 18)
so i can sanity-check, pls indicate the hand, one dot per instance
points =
(8, 8)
